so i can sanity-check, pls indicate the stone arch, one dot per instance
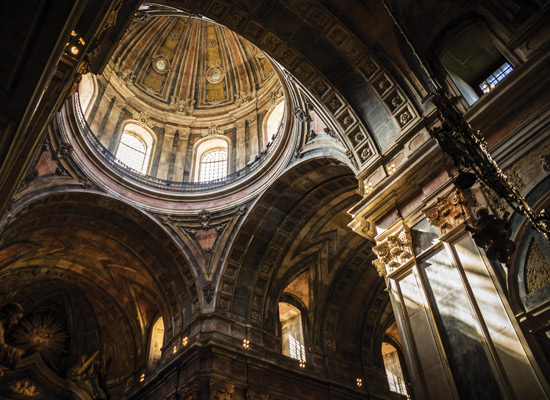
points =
(150, 250)
(369, 87)
(266, 233)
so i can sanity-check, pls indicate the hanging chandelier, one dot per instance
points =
(468, 150)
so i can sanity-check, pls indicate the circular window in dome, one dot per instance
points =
(216, 96)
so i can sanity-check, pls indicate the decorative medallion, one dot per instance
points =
(214, 75)
(161, 65)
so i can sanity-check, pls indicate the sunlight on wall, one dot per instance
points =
(157, 340)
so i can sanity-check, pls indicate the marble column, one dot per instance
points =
(476, 323)
(165, 154)
(180, 156)
(240, 160)
(425, 357)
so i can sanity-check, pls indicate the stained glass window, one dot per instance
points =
(131, 151)
(213, 165)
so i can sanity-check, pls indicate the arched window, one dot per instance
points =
(131, 151)
(273, 121)
(394, 373)
(87, 91)
(213, 165)
(134, 147)
(211, 159)
(473, 61)
(155, 344)
(292, 333)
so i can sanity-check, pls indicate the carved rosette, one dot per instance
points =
(393, 251)
(449, 211)
(221, 390)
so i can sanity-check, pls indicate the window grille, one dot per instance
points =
(297, 349)
(396, 383)
(131, 151)
(213, 165)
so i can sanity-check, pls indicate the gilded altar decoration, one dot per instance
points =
(394, 251)
(25, 388)
(449, 211)
(44, 332)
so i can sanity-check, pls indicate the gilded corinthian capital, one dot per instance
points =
(393, 250)
(449, 211)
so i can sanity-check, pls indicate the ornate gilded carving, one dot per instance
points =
(221, 390)
(394, 251)
(537, 268)
(190, 391)
(449, 211)
(25, 388)
(251, 395)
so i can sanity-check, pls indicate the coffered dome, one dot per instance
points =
(180, 89)
(189, 64)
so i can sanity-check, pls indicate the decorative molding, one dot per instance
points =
(191, 391)
(449, 211)
(204, 218)
(208, 291)
(64, 151)
(221, 390)
(251, 395)
(302, 116)
(393, 251)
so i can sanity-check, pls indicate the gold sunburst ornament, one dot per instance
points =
(44, 332)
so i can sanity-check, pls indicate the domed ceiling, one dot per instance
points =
(191, 63)
(184, 87)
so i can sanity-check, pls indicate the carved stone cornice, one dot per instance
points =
(449, 211)
(221, 390)
(393, 251)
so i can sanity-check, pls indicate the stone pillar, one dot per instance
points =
(180, 156)
(472, 315)
(240, 159)
(425, 358)
(165, 154)
(253, 138)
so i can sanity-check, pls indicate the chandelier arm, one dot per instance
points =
(468, 151)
